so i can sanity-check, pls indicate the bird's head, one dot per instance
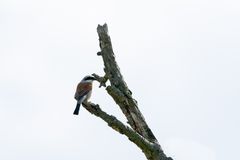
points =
(88, 79)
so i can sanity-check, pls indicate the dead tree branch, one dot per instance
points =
(118, 126)
(139, 133)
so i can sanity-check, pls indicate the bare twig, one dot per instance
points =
(101, 80)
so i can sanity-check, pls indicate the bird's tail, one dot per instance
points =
(76, 111)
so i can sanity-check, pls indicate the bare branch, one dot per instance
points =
(101, 80)
(119, 89)
(118, 126)
(139, 133)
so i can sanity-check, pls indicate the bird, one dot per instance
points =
(83, 92)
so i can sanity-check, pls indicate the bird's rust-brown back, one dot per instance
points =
(82, 89)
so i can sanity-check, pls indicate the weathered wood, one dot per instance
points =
(139, 133)
(120, 127)
(119, 89)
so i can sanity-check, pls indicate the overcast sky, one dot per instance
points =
(180, 58)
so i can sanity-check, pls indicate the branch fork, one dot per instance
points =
(138, 132)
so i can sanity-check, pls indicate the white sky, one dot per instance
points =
(181, 59)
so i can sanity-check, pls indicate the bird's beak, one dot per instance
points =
(93, 78)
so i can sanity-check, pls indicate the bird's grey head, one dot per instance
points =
(88, 79)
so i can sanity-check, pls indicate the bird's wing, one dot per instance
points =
(82, 90)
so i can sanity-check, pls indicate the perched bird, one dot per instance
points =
(83, 92)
